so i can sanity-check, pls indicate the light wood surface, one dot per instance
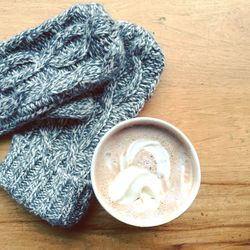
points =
(205, 91)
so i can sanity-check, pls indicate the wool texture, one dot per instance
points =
(66, 83)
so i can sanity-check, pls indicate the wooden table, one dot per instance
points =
(205, 91)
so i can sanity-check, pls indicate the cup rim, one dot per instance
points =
(196, 166)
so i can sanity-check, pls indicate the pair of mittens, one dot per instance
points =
(71, 79)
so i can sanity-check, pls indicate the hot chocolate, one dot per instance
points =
(144, 173)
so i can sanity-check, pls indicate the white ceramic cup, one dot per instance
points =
(157, 123)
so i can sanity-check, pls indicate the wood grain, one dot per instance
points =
(205, 91)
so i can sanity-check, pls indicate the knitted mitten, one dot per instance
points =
(48, 167)
(59, 59)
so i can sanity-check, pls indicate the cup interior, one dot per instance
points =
(175, 132)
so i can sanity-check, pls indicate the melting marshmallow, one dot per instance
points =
(136, 184)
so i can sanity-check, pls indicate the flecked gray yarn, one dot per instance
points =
(72, 78)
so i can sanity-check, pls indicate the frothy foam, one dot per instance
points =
(144, 173)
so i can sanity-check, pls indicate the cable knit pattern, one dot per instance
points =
(73, 78)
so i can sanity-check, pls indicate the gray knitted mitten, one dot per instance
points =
(99, 72)
(42, 67)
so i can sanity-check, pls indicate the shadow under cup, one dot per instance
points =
(171, 131)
